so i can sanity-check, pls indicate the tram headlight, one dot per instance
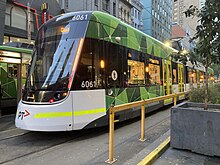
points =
(59, 96)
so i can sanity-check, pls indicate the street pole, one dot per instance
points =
(1, 91)
(0, 98)
(29, 22)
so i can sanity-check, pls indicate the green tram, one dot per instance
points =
(13, 70)
(85, 62)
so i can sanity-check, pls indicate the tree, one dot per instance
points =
(207, 37)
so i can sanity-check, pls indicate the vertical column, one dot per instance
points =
(111, 159)
(174, 99)
(142, 124)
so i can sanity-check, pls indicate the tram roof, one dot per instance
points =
(110, 28)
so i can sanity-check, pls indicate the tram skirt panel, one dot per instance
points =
(88, 105)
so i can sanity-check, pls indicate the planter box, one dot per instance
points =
(196, 129)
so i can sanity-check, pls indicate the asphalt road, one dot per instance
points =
(85, 147)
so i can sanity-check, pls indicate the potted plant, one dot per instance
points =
(196, 126)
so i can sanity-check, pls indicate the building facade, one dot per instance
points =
(157, 18)
(108, 6)
(2, 19)
(125, 9)
(129, 11)
(136, 14)
(178, 16)
(14, 14)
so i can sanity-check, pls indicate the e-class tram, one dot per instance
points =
(85, 62)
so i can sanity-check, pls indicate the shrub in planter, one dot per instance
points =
(198, 94)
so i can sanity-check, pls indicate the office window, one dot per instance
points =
(105, 5)
(152, 11)
(18, 18)
(124, 14)
(96, 2)
(66, 4)
(128, 16)
(8, 15)
(114, 8)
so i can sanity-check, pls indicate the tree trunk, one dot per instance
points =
(206, 86)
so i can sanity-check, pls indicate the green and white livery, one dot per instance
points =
(85, 62)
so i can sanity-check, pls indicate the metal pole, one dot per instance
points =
(1, 91)
(0, 97)
(111, 159)
(174, 99)
(142, 123)
(29, 22)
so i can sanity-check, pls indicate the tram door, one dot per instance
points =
(167, 77)
(180, 78)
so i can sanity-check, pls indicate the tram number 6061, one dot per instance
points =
(80, 17)
(88, 84)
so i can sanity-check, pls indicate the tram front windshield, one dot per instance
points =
(55, 49)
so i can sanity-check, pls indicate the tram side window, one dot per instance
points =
(154, 74)
(12, 70)
(192, 76)
(201, 76)
(174, 73)
(174, 76)
(135, 72)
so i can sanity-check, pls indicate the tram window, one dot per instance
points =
(116, 65)
(174, 76)
(174, 73)
(154, 74)
(12, 70)
(201, 76)
(88, 74)
(135, 72)
(192, 76)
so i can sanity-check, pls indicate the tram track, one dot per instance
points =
(81, 134)
(27, 139)
(12, 133)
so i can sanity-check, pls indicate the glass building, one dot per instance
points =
(157, 18)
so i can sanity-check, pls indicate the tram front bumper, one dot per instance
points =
(43, 118)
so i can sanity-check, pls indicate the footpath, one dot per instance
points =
(158, 153)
